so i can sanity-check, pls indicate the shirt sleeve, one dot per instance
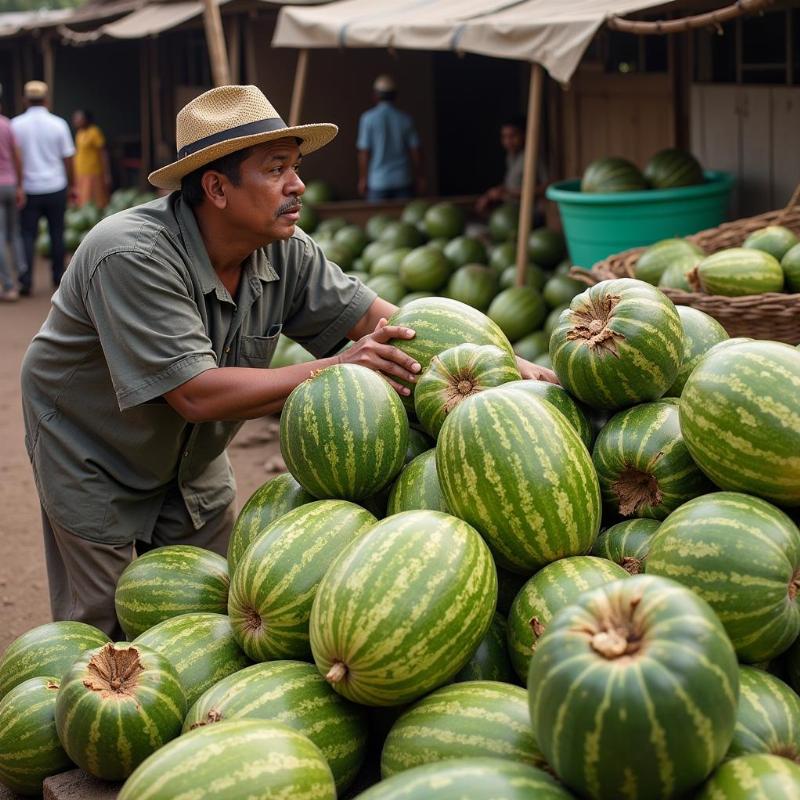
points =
(325, 305)
(149, 327)
(67, 146)
(363, 141)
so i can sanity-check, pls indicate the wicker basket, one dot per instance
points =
(762, 316)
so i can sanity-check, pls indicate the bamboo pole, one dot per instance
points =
(532, 132)
(250, 62)
(215, 39)
(49, 64)
(234, 48)
(299, 90)
(707, 20)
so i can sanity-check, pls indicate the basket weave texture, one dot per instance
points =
(773, 316)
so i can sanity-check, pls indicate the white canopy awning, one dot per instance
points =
(153, 19)
(553, 33)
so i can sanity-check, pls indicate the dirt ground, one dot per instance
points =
(23, 584)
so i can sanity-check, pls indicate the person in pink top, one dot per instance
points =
(11, 198)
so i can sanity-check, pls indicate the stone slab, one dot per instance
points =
(77, 785)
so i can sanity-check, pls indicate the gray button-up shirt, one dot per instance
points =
(139, 312)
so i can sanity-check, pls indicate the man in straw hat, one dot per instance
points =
(159, 340)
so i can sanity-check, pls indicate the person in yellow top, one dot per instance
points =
(92, 173)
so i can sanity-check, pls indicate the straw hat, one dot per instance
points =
(227, 119)
(35, 90)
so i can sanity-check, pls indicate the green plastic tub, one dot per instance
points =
(599, 225)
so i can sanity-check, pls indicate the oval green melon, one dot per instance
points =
(318, 192)
(376, 224)
(607, 175)
(790, 264)
(627, 543)
(535, 277)
(673, 167)
(551, 322)
(417, 487)
(425, 269)
(518, 311)
(373, 251)
(676, 275)
(753, 777)
(340, 254)
(640, 660)
(403, 608)
(503, 256)
(532, 345)
(654, 261)
(399, 233)
(353, 238)
(414, 212)
(412, 296)
(418, 443)
(443, 220)
(503, 222)
(474, 285)
(774, 239)
(546, 247)
(739, 271)
(490, 661)
(560, 289)
(388, 263)
(388, 287)
(466, 250)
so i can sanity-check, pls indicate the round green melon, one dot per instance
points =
(244, 759)
(607, 175)
(466, 250)
(740, 418)
(474, 285)
(344, 432)
(700, 333)
(551, 322)
(633, 691)
(295, 694)
(552, 588)
(504, 222)
(116, 705)
(373, 251)
(388, 263)
(503, 256)
(546, 247)
(353, 238)
(620, 343)
(671, 168)
(274, 584)
(560, 289)
(318, 192)
(443, 221)
(417, 487)
(742, 555)
(465, 720)
(643, 464)
(414, 212)
(168, 581)
(46, 650)
(456, 374)
(753, 777)
(774, 239)
(511, 465)
(388, 287)
(535, 277)
(657, 258)
(340, 254)
(425, 269)
(790, 264)
(375, 225)
(412, 296)
(418, 443)
(403, 608)
(201, 647)
(518, 311)
(532, 345)
(401, 234)
(676, 275)
(739, 271)
(490, 661)
(627, 543)
(30, 750)
(270, 501)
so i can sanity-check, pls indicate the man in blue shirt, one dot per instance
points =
(389, 153)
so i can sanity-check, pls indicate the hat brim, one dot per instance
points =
(312, 137)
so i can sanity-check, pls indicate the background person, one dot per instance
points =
(11, 198)
(92, 168)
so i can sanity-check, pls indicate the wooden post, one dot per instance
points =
(299, 89)
(529, 170)
(144, 109)
(215, 39)
(49, 64)
(250, 62)
(156, 104)
(234, 48)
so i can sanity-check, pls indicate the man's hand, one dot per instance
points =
(362, 187)
(21, 199)
(533, 372)
(374, 352)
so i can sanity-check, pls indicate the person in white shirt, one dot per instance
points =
(47, 150)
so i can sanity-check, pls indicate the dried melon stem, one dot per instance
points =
(209, 719)
(636, 490)
(114, 671)
(631, 565)
(794, 585)
(461, 385)
(253, 621)
(590, 322)
(787, 751)
(618, 633)
(337, 672)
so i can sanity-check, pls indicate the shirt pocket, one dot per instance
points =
(257, 351)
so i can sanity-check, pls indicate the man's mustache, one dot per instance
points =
(293, 204)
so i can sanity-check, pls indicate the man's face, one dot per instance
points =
(266, 204)
(78, 120)
(512, 139)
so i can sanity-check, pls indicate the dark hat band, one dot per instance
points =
(248, 129)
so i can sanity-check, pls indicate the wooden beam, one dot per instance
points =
(532, 135)
(215, 40)
(233, 37)
(157, 102)
(299, 90)
(710, 19)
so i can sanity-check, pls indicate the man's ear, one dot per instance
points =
(214, 185)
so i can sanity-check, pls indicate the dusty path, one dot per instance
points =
(23, 584)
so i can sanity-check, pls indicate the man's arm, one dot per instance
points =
(363, 168)
(18, 169)
(418, 162)
(68, 167)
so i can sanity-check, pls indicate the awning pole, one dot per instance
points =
(215, 40)
(299, 89)
(529, 170)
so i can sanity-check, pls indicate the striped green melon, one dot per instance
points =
(403, 608)
(739, 271)
(465, 720)
(643, 464)
(418, 443)
(633, 691)
(168, 581)
(388, 287)
(295, 694)
(468, 779)
(612, 174)
(417, 487)
(456, 374)
(388, 262)
(48, 649)
(117, 705)
(768, 718)
(440, 323)
(676, 275)
(627, 543)
(753, 777)
(620, 343)
(518, 311)
(654, 261)
(270, 501)
(790, 264)
(673, 167)
(490, 661)
(552, 588)
(425, 269)
(344, 433)
(201, 647)
(742, 555)
(512, 466)
(560, 398)
(474, 285)
(274, 585)
(244, 759)
(29, 747)
(700, 333)
(773, 239)
(740, 418)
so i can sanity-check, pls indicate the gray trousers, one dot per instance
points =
(10, 235)
(82, 575)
